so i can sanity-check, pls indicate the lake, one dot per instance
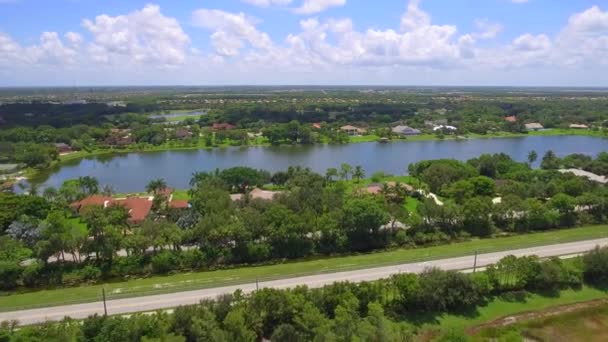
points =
(131, 172)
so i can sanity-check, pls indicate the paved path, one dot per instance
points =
(150, 303)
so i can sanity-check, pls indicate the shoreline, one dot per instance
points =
(32, 173)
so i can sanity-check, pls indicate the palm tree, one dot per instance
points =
(359, 173)
(345, 171)
(330, 174)
(107, 190)
(156, 185)
(532, 156)
(88, 185)
(49, 193)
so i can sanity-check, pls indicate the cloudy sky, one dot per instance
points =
(379, 42)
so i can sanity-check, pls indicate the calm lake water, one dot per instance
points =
(131, 172)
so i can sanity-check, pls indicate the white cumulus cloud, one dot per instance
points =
(317, 6)
(144, 36)
(231, 31)
(266, 3)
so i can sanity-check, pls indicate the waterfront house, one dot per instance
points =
(511, 118)
(579, 126)
(534, 126)
(222, 126)
(139, 207)
(352, 130)
(63, 148)
(183, 133)
(405, 130)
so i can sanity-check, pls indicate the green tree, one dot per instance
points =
(358, 173)
(155, 186)
(345, 171)
(362, 219)
(550, 161)
(532, 157)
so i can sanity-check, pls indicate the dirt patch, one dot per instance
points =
(530, 315)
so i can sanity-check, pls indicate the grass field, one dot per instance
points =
(584, 324)
(240, 275)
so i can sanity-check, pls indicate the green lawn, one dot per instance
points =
(208, 279)
(499, 308)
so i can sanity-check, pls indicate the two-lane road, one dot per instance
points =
(164, 301)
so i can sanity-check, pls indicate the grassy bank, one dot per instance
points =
(240, 275)
(583, 324)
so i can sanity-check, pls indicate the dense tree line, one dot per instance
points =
(31, 129)
(385, 310)
(311, 214)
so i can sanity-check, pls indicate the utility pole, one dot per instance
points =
(257, 284)
(475, 262)
(103, 294)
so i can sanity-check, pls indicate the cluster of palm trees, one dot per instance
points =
(345, 172)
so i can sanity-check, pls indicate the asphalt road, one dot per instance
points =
(164, 301)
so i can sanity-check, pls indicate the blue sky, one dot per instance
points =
(468, 42)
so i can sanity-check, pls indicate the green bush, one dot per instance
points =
(164, 262)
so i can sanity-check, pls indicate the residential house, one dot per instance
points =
(63, 148)
(139, 207)
(183, 133)
(579, 126)
(534, 126)
(376, 188)
(119, 137)
(316, 125)
(405, 130)
(352, 130)
(444, 128)
(257, 194)
(223, 126)
(511, 118)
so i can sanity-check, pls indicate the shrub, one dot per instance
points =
(9, 274)
(595, 267)
(164, 262)
(32, 275)
(90, 273)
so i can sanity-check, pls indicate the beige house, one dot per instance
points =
(579, 126)
(534, 126)
(352, 130)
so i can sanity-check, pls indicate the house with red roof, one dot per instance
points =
(139, 207)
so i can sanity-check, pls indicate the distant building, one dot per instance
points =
(316, 125)
(257, 194)
(445, 127)
(534, 126)
(405, 130)
(511, 118)
(352, 130)
(119, 137)
(223, 126)
(183, 133)
(75, 102)
(116, 104)
(63, 148)
(579, 126)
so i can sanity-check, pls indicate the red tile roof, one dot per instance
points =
(512, 118)
(138, 207)
(100, 200)
(179, 204)
(221, 126)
